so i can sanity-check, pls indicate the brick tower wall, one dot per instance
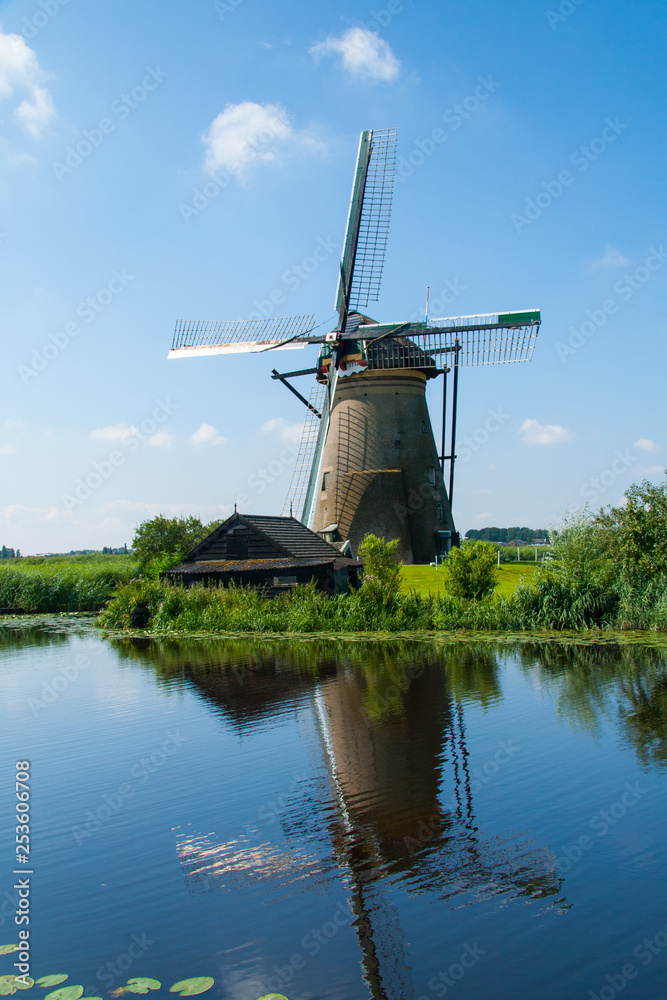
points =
(381, 458)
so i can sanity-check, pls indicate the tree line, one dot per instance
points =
(507, 534)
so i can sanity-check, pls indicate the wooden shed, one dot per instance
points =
(275, 553)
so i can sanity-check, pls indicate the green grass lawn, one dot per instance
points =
(425, 579)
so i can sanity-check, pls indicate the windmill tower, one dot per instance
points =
(368, 459)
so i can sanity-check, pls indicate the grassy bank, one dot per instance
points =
(546, 604)
(425, 580)
(68, 583)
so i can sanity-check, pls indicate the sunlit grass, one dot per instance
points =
(427, 580)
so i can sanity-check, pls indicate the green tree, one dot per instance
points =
(382, 573)
(636, 532)
(164, 542)
(470, 571)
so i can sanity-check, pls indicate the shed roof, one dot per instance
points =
(256, 565)
(291, 536)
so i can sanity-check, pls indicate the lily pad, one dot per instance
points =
(91, 998)
(67, 993)
(142, 985)
(273, 996)
(190, 987)
(7, 949)
(10, 984)
(54, 980)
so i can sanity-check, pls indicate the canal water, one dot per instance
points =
(338, 820)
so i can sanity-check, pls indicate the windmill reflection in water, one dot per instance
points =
(393, 753)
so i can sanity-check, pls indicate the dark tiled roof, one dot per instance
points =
(248, 565)
(293, 536)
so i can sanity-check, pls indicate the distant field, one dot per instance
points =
(425, 579)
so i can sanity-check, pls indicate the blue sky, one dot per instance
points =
(168, 160)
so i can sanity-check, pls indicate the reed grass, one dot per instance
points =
(71, 583)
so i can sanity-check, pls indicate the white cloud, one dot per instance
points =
(13, 425)
(161, 439)
(289, 434)
(117, 432)
(8, 449)
(484, 516)
(364, 54)
(19, 71)
(207, 436)
(645, 444)
(652, 469)
(245, 134)
(16, 514)
(533, 432)
(611, 258)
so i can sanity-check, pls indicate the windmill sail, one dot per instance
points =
(201, 338)
(492, 338)
(368, 222)
(298, 491)
(311, 494)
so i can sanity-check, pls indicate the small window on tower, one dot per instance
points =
(440, 512)
(424, 428)
(431, 476)
(325, 481)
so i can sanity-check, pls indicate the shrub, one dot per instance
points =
(470, 571)
(382, 573)
(580, 549)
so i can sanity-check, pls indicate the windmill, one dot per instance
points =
(368, 459)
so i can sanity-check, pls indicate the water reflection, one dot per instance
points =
(390, 730)
(622, 683)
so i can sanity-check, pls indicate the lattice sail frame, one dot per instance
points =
(489, 339)
(201, 338)
(366, 242)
